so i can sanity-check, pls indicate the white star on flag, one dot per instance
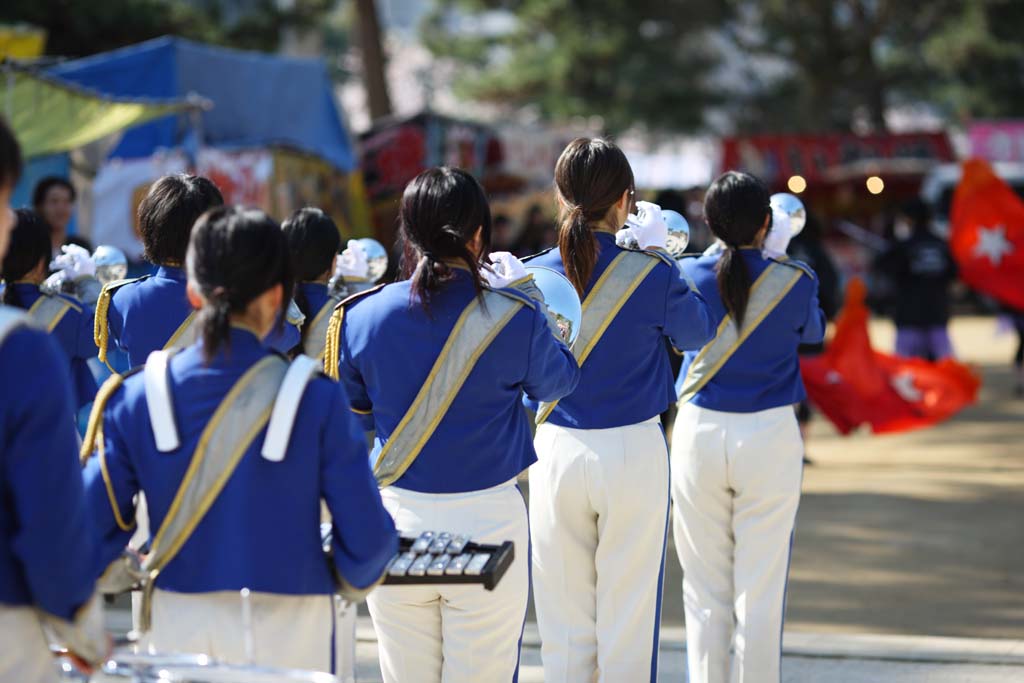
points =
(992, 243)
(903, 384)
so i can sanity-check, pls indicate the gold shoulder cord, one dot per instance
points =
(100, 332)
(332, 349)
(94, 432)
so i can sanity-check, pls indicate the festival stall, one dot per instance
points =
(273, 136)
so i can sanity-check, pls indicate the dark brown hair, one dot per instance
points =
(168, 212)
(591, 175)
(735, 208)
(441, 211)
(234, 255)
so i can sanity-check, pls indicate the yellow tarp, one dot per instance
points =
(21, 42)
(49, 117)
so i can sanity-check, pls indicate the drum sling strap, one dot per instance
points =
(474, 331)
(610, 293)
(316, 336)
(10, 320)
(185, 334)
(765, 294)
(236, 423)
(47, 312)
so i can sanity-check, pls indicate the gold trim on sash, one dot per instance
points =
(45, 314)
(719, 356)
(590, 338)
(186, 326)
(452, 353)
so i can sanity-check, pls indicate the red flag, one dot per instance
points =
(852, 384)
(987, 236)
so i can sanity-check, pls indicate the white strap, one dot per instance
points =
(158, 400)
(286, 407)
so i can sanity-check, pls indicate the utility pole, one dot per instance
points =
(373, 60)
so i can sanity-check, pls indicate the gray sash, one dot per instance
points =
(186, 334)
(316, 337)
(239, 418)
(10, 319)
(47, 312)
(473, 332)
(765, 294)
(610, 293)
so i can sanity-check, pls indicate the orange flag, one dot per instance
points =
(987, 234)
(853, 385)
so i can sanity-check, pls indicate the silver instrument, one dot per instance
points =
(678, 233)
(111, 263)
(376, 258)
(561, 299)
(789, 205)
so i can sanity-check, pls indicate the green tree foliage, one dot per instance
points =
(76, 28)
(641, 62)
(746, 65)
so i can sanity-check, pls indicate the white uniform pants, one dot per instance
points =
(736, 486)
(599, 518)
(24, 653)
(288, 631)
(455, 633)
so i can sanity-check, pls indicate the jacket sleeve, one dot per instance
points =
(110, 487)
(85, 342)
(52, 539)
(365, 539)
(813, 329)
(689, 323)
(354, 386)
(551, 370)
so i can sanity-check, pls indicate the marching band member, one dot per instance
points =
(235, 448)
(736, 448)
(146, 314)
(599, 493)
(67, 319)
(46, 549)
(313, 242)
(437, 363)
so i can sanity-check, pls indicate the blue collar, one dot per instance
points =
(170, 273)
(243, 347)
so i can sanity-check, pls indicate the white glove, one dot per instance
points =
(85, 637)
(75, 262)
(777, 240)
(626, 239)
(352, 263)
(648, 226)
(505, 271)
(55, 284)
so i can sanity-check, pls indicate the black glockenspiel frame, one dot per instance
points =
(492, 572)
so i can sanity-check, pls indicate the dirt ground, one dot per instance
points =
(919, 533)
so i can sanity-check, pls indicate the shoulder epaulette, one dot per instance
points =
(654, 253)
(512, 293)
(100, 331)
(332, 349)
(799, 265)
(539, 253)
(359, 295)
(94, 431)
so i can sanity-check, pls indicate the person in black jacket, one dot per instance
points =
(920, 269)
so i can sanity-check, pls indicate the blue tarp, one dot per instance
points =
(259, 99)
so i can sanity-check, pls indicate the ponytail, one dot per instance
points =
(442, 209)
(234, 256)
(214, 320)
(578, 248)
(737, 210)
(733, 278)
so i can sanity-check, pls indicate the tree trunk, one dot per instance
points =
(373, 60)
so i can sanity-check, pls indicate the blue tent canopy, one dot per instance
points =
(259, 99)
